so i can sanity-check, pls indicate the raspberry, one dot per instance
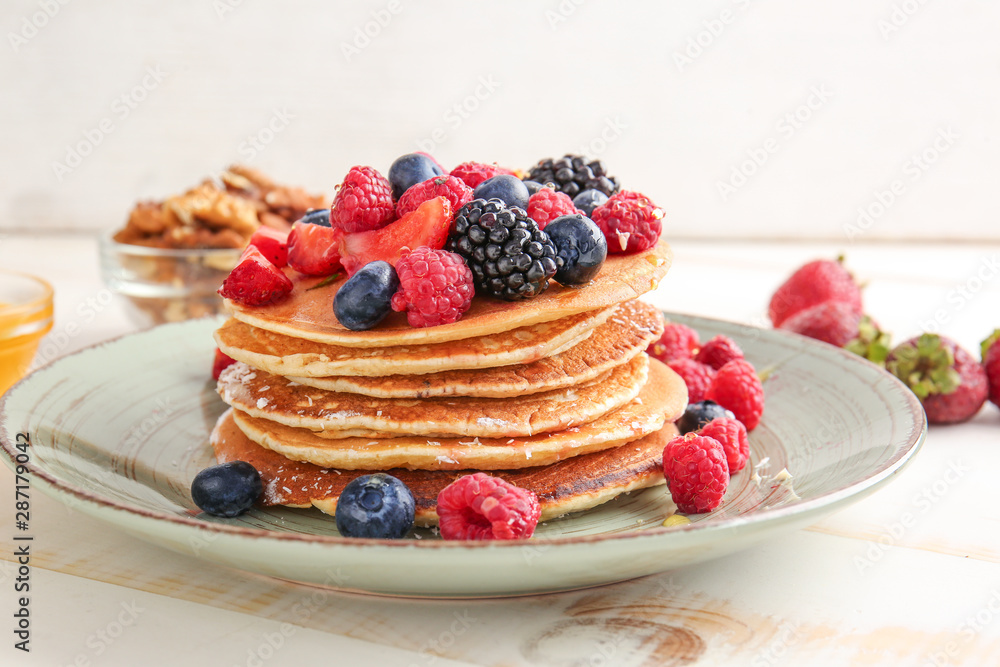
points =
(546, 205)
(833, 322)
(363, 202)
(718, 352)
(435, 287)
(733, 436)
(991, 364)
(474, 173)
(677, 342)
(950, 383)
(737, 388)
(255, 281)
(481, 507)
(696, 470)
(221, 363)
(457, 192)
(630, 222)
(696, 375)
(811, 285)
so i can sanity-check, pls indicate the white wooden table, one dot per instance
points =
(855, 589)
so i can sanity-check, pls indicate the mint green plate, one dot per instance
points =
(119, 430)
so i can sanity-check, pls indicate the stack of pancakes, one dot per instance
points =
(555, 394)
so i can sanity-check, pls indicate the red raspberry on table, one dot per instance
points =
(451, 187)
(991, 364)
(737, 388)
(811, 285)
(481, 507)
(678, 341)
(697, 472)
(546, 205)
(363, 202)
(733, 436)
(255, 281)
(221, 363)
(696, 375)
(718, 352)
(950, 383)
(474, 173)
(435, 287)
(630, 222)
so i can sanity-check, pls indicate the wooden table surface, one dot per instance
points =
(858, 588)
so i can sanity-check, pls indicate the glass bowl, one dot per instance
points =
(166, 285)
(25, 316)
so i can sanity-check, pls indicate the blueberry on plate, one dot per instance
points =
(410, 169)
(365, 299)
(227, 489)
(698, 414)
(317, 216)
(376, 505)
(581, 245)
(588, 200)
(511, 190)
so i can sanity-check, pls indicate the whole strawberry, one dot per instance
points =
(630, 222)
(991, 364)
(811, 285)
(871, 343)
(737, 388)
(697, 472)
(833, 322)
(363, 201)
(950, 383)
(678, 341)
(718, 352)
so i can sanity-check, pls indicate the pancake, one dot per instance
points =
(284, 355)
(576, 484)
(661, 399)
(629, 331)
(279, 399)
(307, 313)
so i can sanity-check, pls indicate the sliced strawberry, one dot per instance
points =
(222, 362)
(314, 249)
(272, 243)
(427, 226)
(255, 280)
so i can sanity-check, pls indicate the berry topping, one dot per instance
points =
(833, 322)
(474, 173)
(678, 341)
(272, 243)
(410, 169)
(227, 489)
(376, 505)
(581, 247)
(481, 507)
(630, 221)
(255, 281)
(697, 377)
(435, 287)
(588, 200)
(457, 192)
(317, 216)
(737, 388)
(508, 189)
(314, 249)
(718, 352)
(363, 202)
(572, 174)
(365, 299)
(222, 362)
(950, 383)
(533, 187)
(697, 472)
(699, 413)
(426, 226)
(991, 364)
(732, 435)
(812, 284)
(546, 205)
(434, 160)
(509, 256)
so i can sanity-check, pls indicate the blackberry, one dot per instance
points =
(572, 174)
(509, 256)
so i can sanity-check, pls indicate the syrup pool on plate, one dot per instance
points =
(25, 316)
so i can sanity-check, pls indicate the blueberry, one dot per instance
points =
(581, 245)
(588, 200)
(376, 505)
(364, 300)
(227, 489)
(410, 169)
(509, 189)
(317, 216)
(533, 187)
(698, 414)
